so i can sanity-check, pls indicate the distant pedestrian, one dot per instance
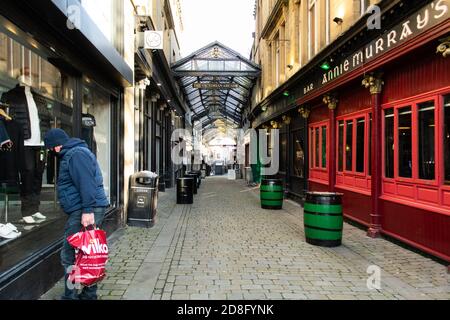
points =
(81, 196)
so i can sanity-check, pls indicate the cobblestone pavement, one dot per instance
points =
(225, 246)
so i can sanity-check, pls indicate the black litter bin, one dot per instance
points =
(185, 190)
(162, 186)
(143, 199)
(198, 173)
(193, 176)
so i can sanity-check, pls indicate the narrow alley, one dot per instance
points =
(225, 246)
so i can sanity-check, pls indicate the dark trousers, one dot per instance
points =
(73, 225)
(31, 177)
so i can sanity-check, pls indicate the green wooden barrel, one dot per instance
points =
(323, 218)
(271, 193)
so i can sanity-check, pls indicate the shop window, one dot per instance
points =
(341, 145)
(349, 145)
(369, 170)
(360, 144)
(446, 139)
(312, 27)
(27, 192)
(364, 6)
(421, 131)
(3, 53)
(352, 167)
(317, 150)
(97, 104)
(324, 147)
(426, 140)
(16, 60)
(405, 142)
(318, 141)
(299, 154)
(389, 143)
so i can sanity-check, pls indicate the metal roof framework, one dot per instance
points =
(217, 83)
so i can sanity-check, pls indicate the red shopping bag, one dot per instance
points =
(91, 256)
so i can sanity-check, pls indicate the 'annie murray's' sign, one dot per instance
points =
(427, 17)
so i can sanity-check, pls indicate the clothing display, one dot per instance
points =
(4, 137)
(35, 139)
(9, 231)
(17, 99)
(87, 131)
(12, 157)
(30, 154)
(33, 169)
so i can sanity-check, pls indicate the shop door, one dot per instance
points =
(298, 163)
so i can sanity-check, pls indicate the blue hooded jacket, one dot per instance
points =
(80, 181)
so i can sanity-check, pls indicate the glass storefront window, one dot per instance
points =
(349, 146)
(324, 147)
(341, 145)
(405, 142)
(426, 140)
(317, 143)
(97, 133)
(360, 145)
(447, 139)
(389, 143)
(32, 96)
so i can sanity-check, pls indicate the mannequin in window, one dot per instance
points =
(23, 108)
(11, 148)
(87, 131)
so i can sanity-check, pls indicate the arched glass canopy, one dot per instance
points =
(217, 83)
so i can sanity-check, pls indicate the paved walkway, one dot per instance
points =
(225, 246)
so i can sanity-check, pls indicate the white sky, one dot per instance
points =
(230, 22)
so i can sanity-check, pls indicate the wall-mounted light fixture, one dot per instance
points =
(286, 119)
(264, 108)
(338, 20)
(325, 66)
(154, 97)
(304, 111)
(275, 125)
(330, 100)
(290, 66)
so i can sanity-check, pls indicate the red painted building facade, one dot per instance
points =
(385, 143)
(378, 124)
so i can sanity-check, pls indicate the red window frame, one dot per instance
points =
(415, 141)
(318, 173)
(351, 179)
(432, 195)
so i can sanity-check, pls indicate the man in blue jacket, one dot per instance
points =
(81, 196)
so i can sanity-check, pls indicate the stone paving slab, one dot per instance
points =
(225, 246)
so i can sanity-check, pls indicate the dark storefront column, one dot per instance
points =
(375, 85)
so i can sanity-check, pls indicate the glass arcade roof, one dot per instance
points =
(216, 82)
